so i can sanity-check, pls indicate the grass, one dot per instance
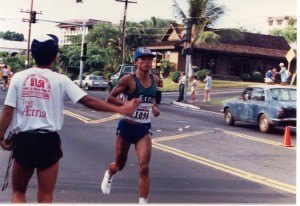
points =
(170, 86)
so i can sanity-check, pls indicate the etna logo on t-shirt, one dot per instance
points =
(35, 87)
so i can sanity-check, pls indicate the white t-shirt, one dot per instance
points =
(38, 98)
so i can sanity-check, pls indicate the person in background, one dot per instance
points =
(135, 129)
(284, 74)
(181, 83)
(269, 75)
(5, 73)
(194, 88)
(33, 109)
(208, 86)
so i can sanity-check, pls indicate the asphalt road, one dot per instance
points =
(196, 159)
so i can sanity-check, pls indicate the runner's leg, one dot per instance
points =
(47, 180)
(143, 151)
(20, 179)
(121, 152)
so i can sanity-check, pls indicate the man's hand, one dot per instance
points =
(6, 146)
(155, 110)
(129, 107)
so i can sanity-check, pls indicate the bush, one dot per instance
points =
(165, 67)
(201, 74)
(245, 77)
(175, 76)
(98, 73)
(108, 75)
(257, 77)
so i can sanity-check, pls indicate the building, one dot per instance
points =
(255, 52)
(279, 22)
(75, 27)
(13, 47)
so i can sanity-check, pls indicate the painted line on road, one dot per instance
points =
(235, 134)
(233, 171)
(180, 136)
(90, 121)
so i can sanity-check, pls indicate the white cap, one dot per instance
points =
(281, 64)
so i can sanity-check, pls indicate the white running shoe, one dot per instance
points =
(106, 183)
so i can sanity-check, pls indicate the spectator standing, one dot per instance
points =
(284, 74)
(194, 88)
(33, 109)
(208, 86)
(181, 82)
(5, 73)
(269, 75)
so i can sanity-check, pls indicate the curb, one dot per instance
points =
(188, 106)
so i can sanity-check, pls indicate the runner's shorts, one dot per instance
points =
(132, 133)
(37, 150)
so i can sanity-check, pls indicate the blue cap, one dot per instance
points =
(142, 52)
(44, 45)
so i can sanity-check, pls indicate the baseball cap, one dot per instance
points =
(44, 45)
(281, 64)
(142, 52)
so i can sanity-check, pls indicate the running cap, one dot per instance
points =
(44, 45)
(142, 52)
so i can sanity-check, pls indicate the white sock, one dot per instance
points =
(143, 200)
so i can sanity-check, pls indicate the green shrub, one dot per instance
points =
(108, 75)
(175, 76)
(165, 67)
(201, 74)
(257, 77)
(98, 73)
(245, 77)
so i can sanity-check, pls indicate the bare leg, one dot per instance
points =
(121, 151)
(47, 180)
(143, 152)
(20, 179)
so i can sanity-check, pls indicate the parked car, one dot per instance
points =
(130, 68)
(93, 82)
(263, 105)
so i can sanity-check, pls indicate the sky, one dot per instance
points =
(250, 14)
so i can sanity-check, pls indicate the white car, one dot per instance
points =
(93, 82)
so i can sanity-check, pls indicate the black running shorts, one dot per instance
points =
(37, 150)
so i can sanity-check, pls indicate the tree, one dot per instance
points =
(203, 15)
(13, 36)
(289, 32)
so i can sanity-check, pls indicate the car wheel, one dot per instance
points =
(264, 125)
(228, 117)
(158, 97)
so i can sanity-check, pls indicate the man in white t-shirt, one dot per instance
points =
(33, 110)
(5, 77)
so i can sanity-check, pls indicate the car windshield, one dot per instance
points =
(96, 78)
(283, 94)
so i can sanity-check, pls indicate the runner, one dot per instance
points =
(135, 129)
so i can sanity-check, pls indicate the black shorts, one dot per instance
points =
(5, 78)
(132, 133)
(37, 150)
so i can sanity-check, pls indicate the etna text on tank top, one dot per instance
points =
(146, 96)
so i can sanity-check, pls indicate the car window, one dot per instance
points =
(283, 94)
(247, 93)
(128, 69)
(258, 94)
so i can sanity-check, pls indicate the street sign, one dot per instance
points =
(290, 55)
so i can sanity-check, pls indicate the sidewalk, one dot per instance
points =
(199, 105)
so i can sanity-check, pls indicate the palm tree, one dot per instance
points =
(204, 14)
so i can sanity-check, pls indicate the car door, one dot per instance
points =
(239, 109)
(256, 104)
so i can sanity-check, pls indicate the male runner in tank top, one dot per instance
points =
(135, 129)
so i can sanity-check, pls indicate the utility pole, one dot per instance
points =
(187, 51)
(32, 19)
(123, 29)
